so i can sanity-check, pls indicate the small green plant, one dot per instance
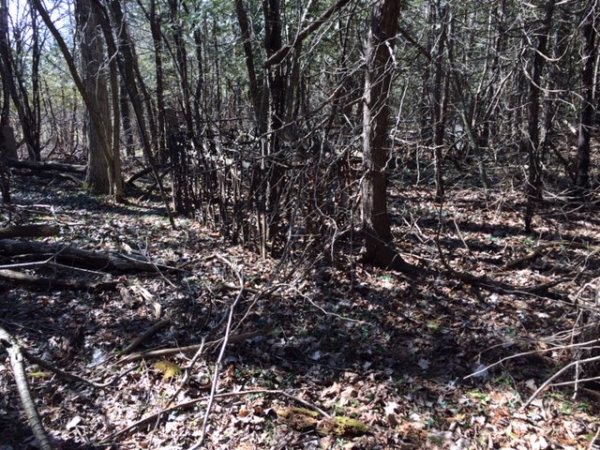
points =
(436, 441)
(566, 409)
(480, 396)
(504, 380)
(529, 242)
(433, 325)
(583, 407)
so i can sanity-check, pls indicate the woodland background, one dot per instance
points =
(370, 201)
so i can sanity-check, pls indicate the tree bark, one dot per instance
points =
(378, 79)
(534, 176)
(126, 119)
(95, 115)
(127, 68)
(155, 26)
(10, 86)
(587, 111)
(95, 82)
(440, 103)
(255, 91)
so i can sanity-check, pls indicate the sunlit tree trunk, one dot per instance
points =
(126, 119)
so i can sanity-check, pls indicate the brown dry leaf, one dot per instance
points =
(390, 413)
(331, 391)
(348, 394)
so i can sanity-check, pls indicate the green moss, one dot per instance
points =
(342, 426)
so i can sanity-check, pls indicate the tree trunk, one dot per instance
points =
(181, 63)
(10, 87)
(255, 91)
(534, 176)
(95, 116)
(440, 104)
(94, 80)
(127, 68)
(160, 96)
(378, 79)
(126, 119)
(587, 111)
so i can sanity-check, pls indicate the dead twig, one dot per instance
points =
(190, 403)
(532, 352)
(70, 376)
(190, 348)
(215, 381)
(556, 375)
(142, 337)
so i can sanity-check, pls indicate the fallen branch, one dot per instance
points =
(56, 283)
(190, 403)
(215, 380)
(70, 376)
(135, 176)
(532, 352)
(51, 176)
(78, 257)
(485, 281)
(18, 231)
(142, 337)
(46, 165)
(556, 375)
(190, 348)
(153, 186)
(16, 362)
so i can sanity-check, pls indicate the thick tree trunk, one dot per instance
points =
(95, 82)
(95, 116)
(378, 78)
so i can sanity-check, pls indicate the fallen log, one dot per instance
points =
(47, 165)
(57, 283)
(40, 230)
(50, 175)
(79, 258)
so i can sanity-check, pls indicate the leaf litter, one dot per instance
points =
(375, 347)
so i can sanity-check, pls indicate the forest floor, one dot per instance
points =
(393, 352)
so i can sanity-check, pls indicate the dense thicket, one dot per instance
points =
(281, 121)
